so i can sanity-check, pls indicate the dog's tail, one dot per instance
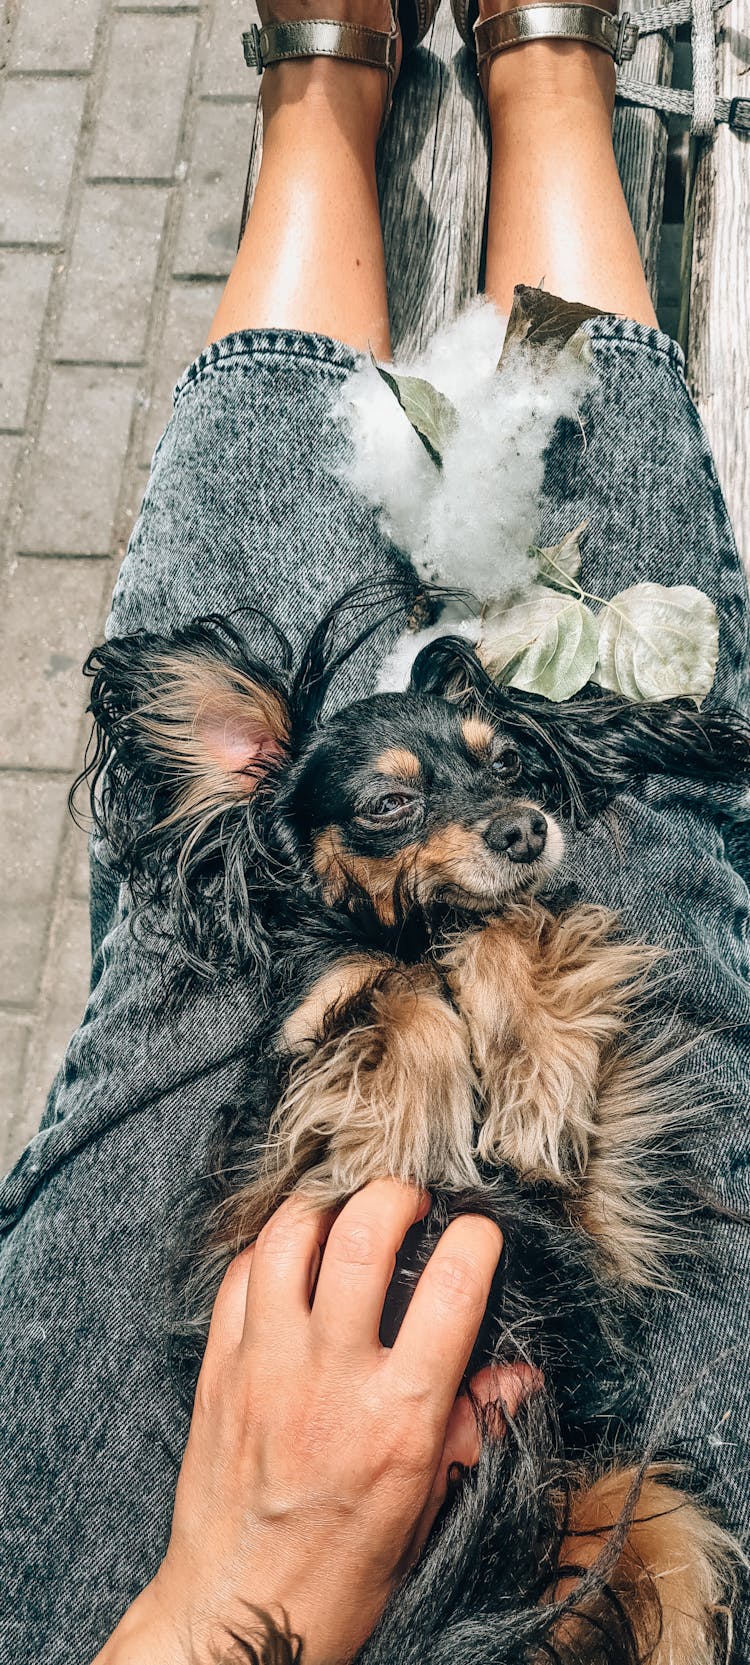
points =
(672, 1577)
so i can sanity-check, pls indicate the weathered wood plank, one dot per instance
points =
(719, 327)
(640, 138)
(433, 172)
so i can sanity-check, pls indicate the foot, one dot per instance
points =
(357, 87)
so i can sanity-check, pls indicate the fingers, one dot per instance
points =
(268, 1287)
(228, 1315)
(500, 1390)
(285, 1262)
(434, 1344)
(358, 1262)
(497, 1391)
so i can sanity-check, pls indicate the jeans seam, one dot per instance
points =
(243, 349)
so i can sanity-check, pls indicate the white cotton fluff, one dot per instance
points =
(468, 526)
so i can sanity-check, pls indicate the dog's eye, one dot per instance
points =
(506, 764)
(391, 807)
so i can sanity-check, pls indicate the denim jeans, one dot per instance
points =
(242, 508)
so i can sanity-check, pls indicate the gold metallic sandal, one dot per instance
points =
(328, 38)
(616, 35)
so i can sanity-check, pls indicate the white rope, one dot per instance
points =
(704, 69)
(674, 101)
(669, 15)
(702, 105)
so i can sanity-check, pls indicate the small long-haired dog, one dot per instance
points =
(425, 1015)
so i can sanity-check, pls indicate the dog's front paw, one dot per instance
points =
(542, 998)
(389, 1089)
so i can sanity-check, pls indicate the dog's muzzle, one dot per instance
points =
(519, 834)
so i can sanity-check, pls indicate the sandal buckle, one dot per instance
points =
(739, 115)
(626, 38)
(252, 49)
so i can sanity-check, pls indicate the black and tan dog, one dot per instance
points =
(377, 872)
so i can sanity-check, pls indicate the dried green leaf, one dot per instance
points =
(547, 645)
(560, 562)
(657, 641)
(429, 411)
(541, 319)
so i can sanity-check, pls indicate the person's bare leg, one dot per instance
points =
(312, 254)
(557, 212)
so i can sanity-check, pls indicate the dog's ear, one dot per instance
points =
(590, 748)
(185, 727)
(579, 754)
(449, 667)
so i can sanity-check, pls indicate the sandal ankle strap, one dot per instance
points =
(617, 36)
(320, 37)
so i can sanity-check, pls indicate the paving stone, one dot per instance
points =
(75, 479)
(224, 72)
(24, 288)
(79, 879)
(14, 1040)
(190, 308)
(140, 109)
(9, 445)
(33, 810)
(55, 36)
(39, 126)
(112, 270)
(212, 209)
(52, 615)
(67, 980)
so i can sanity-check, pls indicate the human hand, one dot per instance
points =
(317, 1459)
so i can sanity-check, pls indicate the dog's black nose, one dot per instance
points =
(521, 835)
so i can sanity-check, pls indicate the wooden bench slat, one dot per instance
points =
(719, 326)
(640, 138)
(433, 171)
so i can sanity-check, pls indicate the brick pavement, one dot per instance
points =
(124, 137)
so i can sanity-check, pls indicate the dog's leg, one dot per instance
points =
(382, 1083)
(671, 1580)
(543, 999)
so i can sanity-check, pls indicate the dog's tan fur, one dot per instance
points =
(480, 736)
(398, 762)
(543, 999)
(506, 1050)
(393, 1093)
(453, 863)
(214, 723)
(377, 877)
(305, 1028)
(671, 1576)
(214, 731)
(640, 1098)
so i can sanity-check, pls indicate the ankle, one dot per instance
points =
(318, 93)
(538, 78)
